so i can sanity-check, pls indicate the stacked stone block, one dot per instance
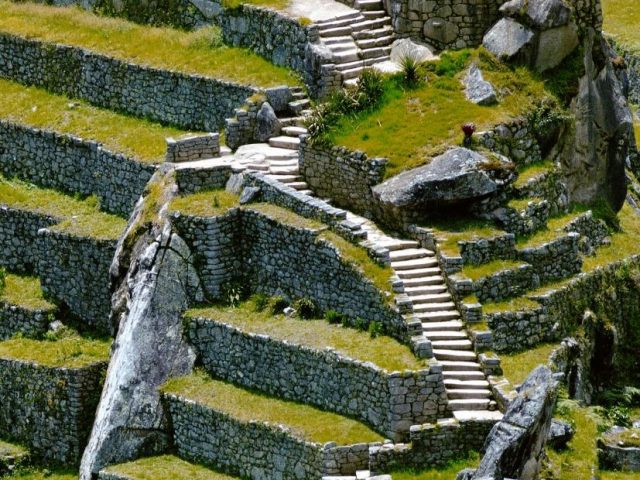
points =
(18, 320)
(189, 148)
(18, 238)
(559, 258)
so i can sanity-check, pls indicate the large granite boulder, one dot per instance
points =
(510, 40)
(515, 446)
(407, 48)
(457, 176)
(540, 14)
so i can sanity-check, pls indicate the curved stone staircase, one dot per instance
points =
(358, 40)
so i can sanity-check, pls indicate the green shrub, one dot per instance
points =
(260, 302)
(410, 71)
(277, 304)
(233, 293)
(450, 63)
(333, 317)
(306, 308)
(375, 329)
(370, 89)
(3, 276)
(360, 324)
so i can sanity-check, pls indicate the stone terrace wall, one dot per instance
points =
(444, 23)
(432, 445)
(554, 260)
(193, 180)
(344, 176)
(278, 259)
(72, 165)
(188, 101)
(75, 271)
(18, 320)
(50, 410)
(255, 449)
(389, 402)
(18, 237)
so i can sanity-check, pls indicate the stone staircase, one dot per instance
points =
(358, 40)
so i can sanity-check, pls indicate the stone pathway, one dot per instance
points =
(466, 385)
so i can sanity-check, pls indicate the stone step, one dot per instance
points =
(352, 73)
(409, 254)
(306, 192)
(346, 56)
(299, 185)
(345, 19)
(350, 65)
(290, 143)
(482, 415)
(455, 383)
(431, 274)
(442, 326)
(459, 344)
(430, 297)
(285, 178)
(299, 95)
(441, 316)
(426, 290)
(468, 394)
(375, 52)
(460, 366)
(291, 121)
(343, 47)
(338, 40)
(375, 33)
(446, 335)
(469, 404)
(371, 14)
(383, 41)
(289, 163)
(416, 264)
(393, 245)
(368, 4)
(335, 32)
(370, 25)
(298, 106)
(434, 307)
(418, 281)
(284, 170)
(454, 355)
(294, 131)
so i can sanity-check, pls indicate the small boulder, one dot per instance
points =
(267, 123)
(560, 434)
(407, 48)
(509, 40)
(458, 175)
(279, 98)
(248, 195)
(477, 89)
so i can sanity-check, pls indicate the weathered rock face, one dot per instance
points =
(560, 434)
(509, 40)
(149, 347)
(267, 123)
(515, 446)
(594, 150)
(455, 177)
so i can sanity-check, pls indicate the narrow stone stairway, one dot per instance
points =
(358, 40)
(418, 268)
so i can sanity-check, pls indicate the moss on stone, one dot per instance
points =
(24, 292)
(382, 351)
(72, 351)
(139, 139)
(200, 52)
(475, 272)
(165, 467)
(81, 218)
(303, 421)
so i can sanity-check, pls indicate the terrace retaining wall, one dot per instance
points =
(18, 320)
(18, 238)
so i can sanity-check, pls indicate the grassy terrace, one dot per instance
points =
(42, 474)
(532, 170)
(449, 472)
(275, 4)
(11, 449)
(555, 229)
(621, 20)
(383, 351)
(217, 202)
(449, 233)
(78, 217)
(510, 305)
(304, 421)
(24, 292)
(72, 351)
(139, 139)
(475, 272)
(517, 366)
(414, 124)
(200, 52)
(165, 467)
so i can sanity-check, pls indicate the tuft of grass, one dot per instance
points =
(12, 450)
(274, 4)
(532, 170)
(165, 467)
(512, 305)
(209, 203)
(24, 292)
(35, 473)
(304, 421)
(449, 233)
(357, 256)
(140, 139)
(518, 366)
(412, 125)
(447, 472)
(383, 351)
(72, 351)
(475, 272)
(78, 217)
(621, 20)
(199, 52)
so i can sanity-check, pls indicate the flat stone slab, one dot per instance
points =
(262, 151)
(470, 415)
(318, 10)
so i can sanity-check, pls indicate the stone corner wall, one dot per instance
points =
(50, 410)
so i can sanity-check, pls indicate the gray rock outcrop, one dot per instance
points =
(515, 446)
(510, 40)
(477, 89)
(407, 48)
(457, 176)
(154, 279)
(267, 123)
